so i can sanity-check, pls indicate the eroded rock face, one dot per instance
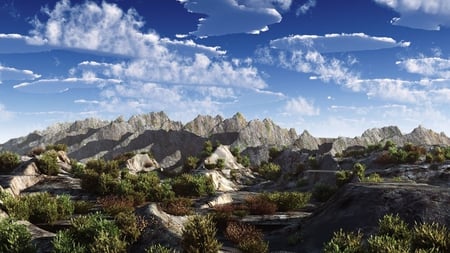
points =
(360, 206)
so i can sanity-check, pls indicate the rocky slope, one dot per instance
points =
(171, 141)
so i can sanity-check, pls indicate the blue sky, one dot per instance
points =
(334, 68)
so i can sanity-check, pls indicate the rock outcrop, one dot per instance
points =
(360, 206)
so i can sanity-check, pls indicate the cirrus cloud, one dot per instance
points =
(330, 43)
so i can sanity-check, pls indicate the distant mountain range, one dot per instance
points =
(171, 141)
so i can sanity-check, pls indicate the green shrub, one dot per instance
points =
(45, 208)
(313, 163)
(323, 192)
(101, 166)
(289, 201)
(15, 208)
(387, 244)
(38, 208)
(8, 162)
(244, 161)
(78, 168)
(207, 148)
(191, 163)
(429, 236)
(48, 163)
(389, 144)
(359, 170)
(344, 242)
(130, 225)
(92, 232)
(394, 226)
(158, 248)
(63, 242)
(188, 185)
(270, 171)
(373, 178)
(199, 235)
(14, 237)
(57, 147)
(220, 163)
(343, 177)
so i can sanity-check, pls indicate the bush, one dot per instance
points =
(63, 242)
(394, 226)
(247, 237)
(38, 208)
(14, 237)
(8, 162)
(48, 163)
(323, 192)
(188, 185)
(92, 232)
(114, 205)
(82, 207)
(359, 170)
(130, 225)
(253, 245)
(260, 205)
(348, 242)
(45, 208)
(178, 206)
(207, 148)
(289, 201)
(387, 244)
(429, 236)
(199, 235)
(343, 177)
(158, 248)
(220, 163)
(57, 147)
(270, 171)
(373, 178)
(191, 163)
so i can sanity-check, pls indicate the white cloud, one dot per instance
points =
(101, 28)
(200, 71)
(63, 85)
(430, 67)
(8, 73)
(304, 8)
(336, 42)
(310, 62)
(232, 16)
(301, 106)
(422, 14)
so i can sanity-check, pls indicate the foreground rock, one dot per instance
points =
(360, 206)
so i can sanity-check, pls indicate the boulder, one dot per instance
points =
(141, 162)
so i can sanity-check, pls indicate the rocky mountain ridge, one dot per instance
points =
(172, 141)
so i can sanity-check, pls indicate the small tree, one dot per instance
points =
(199, 235)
